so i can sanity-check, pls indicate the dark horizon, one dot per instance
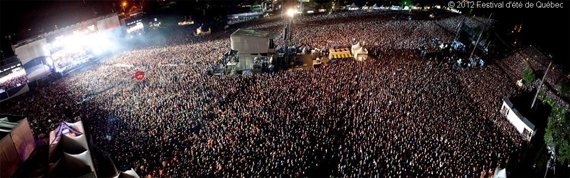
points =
(547, 29)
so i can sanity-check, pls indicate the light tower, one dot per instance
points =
(290, 14)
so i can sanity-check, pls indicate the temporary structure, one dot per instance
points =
(359, 53)
(17, 144)
(69, 153)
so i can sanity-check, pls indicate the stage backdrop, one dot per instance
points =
(32, 50)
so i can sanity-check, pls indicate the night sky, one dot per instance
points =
(19, 16)
(547, 29)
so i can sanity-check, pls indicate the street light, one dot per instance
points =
(292, 12)
(124, 5)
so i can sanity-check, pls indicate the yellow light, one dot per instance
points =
(292, 12)
(124, 3)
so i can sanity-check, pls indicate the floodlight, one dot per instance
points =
(292, 12)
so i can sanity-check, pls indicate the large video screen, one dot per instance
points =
(135, 27)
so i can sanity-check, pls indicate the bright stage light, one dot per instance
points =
(292, 12)
(74, 43)
(99, 43)
(81, 43)
(49, 61)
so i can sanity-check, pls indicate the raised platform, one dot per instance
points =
(37, 72)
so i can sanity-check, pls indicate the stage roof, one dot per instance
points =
(253, 33)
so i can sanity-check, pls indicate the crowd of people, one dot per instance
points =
(536, 62)
(375, 29)
(472, 22)
(13, 80)
(397, 114)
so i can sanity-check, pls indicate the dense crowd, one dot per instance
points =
(397, 114)
(472, 22)
(374, 29)
(13, 82)
(514, 66)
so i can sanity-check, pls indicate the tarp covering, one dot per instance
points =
(81, 159)
(250, 41)
(129, 174)
(359, 52)
(76, 125)
(355, 47)
(74, 145)
(54, 149)
(53, 165)
(16, 146)
(65, 128)
(69, 150)
(106, 167)
(8, 157)
(6, 126)
(23, 140)
(73, 165)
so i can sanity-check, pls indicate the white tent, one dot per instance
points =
(375, 7)
(76, 125)
(500, 173)
(355, 47)
(353, 7)
(69, 155)
(65, 127)
(130, 174)
(526, 128)
(250, 44)
(60, 141)
(69, 146)
(79, 160)
(74, 145)
(107, 167)
(359, 52)
(72, 165)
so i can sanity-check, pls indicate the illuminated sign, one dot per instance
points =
(138, 26)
